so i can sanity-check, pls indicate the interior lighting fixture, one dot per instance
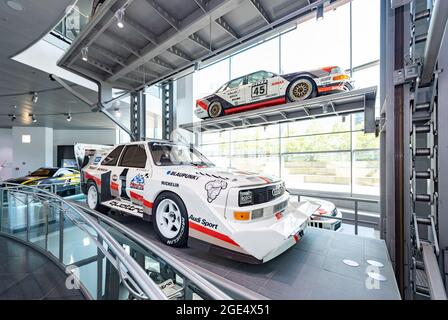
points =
(84, 53)
(119, 14)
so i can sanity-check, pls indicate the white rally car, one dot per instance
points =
(265, 89)
(240, 215)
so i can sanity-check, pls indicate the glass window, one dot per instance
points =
(134, 156)
(315, 44)
(264, 56)
(267, 165)
(235, 83)
(258, 76)
(207, 80)
(44, 172)
(366, 172)
(317, 143)
(169, 154)
(317, 171)
(112, 158)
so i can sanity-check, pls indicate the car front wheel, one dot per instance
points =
(171, 220)
(301, 89)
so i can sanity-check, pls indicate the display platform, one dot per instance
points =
(313, 269)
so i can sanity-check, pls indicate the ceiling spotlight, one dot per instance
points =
(69, 117)
(33, 117)
(120, 16)
(320, 12)
(84, 53)
(117, 112)
(35, 97)
(13, 117)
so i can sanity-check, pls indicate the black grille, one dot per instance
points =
(265, 194)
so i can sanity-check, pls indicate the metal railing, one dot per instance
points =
(356, 200)
(77, 238)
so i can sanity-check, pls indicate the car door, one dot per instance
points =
(261, 85)
(135, 173)
(234, 92)
(109, 163)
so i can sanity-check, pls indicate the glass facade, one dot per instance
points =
(328, 154)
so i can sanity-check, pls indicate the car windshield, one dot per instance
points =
(174, 154)
(43, 172)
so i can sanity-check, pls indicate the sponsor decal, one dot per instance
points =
(211, 175)
(138, 182)
(114, 177)
(96, 160)
(92, 167)
(124, 206)
(170, 184)
(203, 222)
(278, 83)
(214, 188)
(182, 175)
(278, 190)
(102, 169)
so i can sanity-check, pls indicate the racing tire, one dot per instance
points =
(215, 109)
(93, 198)
(170, 220)
(300, 89)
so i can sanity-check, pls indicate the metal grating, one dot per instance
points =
(162, 38)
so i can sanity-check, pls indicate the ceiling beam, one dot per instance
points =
(106, 53)
(164, 14)
(145, 33)
(162, 63)
(181, 54)
(124, 44)
(99, 65)
(199, 41)
(257, 5)
(202, 4)
(193, 23)
(226, 27)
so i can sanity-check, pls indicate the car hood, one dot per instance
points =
(327, 206)
(234, 177)
(25, 180)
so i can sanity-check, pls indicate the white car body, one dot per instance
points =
(330, 217)
(211, 197)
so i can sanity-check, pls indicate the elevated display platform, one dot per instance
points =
(340, 104)
(313, 269)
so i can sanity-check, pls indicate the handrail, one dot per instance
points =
(149, 288)
(198, 280)
(301, 193)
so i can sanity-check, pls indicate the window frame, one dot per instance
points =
(118, 158)
(122, 155)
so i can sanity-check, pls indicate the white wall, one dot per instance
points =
(5, 154)
(28, 157)
(70, 137)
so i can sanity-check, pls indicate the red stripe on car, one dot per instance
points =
(97, 180)
(331, 88)
(266, 180)
(202, 104)
(114, 186)
(147, 204)
(212, 233)
(140, 198)
(256, 105)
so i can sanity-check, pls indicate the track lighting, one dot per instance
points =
(84, 53)
(35, 97)
(69, 117)
(320, 12)
(33, 117)
(13, 117)
(120, 18)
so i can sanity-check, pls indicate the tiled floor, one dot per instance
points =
(25, 274)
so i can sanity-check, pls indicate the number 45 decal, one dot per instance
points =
(259, 90)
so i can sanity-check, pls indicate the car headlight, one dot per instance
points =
(245, 198)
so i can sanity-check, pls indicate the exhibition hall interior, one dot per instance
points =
(223, 150)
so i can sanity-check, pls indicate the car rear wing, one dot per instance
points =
(84, 152)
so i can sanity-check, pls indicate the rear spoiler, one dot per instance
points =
(83, 152)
